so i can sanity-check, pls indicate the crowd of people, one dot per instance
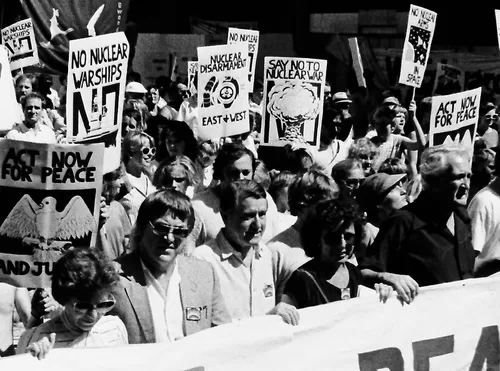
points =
(195, 234)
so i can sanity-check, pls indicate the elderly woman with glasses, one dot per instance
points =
(82, 281)
(488, 125)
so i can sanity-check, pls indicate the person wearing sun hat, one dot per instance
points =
(428, 241)
(135, 90)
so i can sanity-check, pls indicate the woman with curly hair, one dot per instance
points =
(82, 281)
(329, 236)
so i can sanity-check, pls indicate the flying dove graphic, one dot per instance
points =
(43, 221)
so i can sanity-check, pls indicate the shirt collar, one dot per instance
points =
(151, 280)
(23, 128)
(226, 249)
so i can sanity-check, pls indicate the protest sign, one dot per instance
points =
(419, 33)
(19, 39)
(50, 201)
(454, 118)
(293, 100)
(452, 326)
(357, 62)
(193, 77)
(449, 79)
(497, 18)
(251, 38)
(222, 91)
(11, 111)
(96, 85)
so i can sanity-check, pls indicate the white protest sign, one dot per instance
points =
(449, 79)
(417, 46)
(193, 76)
(97, 72)
(19, 39)
(10, 108)
(251, 38)
(448, 327)
(293, 100)
(222, 91)
(357, 62)
(50, 201)
(497, 18)
(454, 118)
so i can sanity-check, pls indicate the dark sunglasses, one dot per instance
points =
(147, 150)
(236, 173)
(83, 307)
(354, 182)
(163, 231)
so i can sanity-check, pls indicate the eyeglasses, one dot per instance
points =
(163, 231)
(354, 182)
(491, 117)
(236, 173)
(147, 150)
(83, 307)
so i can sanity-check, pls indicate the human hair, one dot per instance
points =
(139, 111)
(383, 116)
(309, 188)
(81, 273)
(229, 153)
(362, 146)
(156, 205)
(163, 174)
(393, 165)
(282, 180)
(295, 158)
(28, 76)
(181, 130)
(330, 215)
(341, 169)
(261, 175)
(32, 95)
(433, 163)
(133, 142)
(233, 193)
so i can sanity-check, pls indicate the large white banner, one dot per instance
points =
(250, 38)
(419, 32)
(293, 100)
(97, 72)
(451, 326)
(454, 118)
(222, 91)
(19, 39)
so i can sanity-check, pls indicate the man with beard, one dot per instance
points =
(428, 241)
(251, 274)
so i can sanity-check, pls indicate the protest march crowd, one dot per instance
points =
(196, 233)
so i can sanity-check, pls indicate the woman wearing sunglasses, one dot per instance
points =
(329, 236)
(138, 151)
(82, 281)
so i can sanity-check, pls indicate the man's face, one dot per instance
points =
(354, 179)
(240, 169)
(32, 111)
(454, 183)
(160, 242)
(23, 88)
(245, 224)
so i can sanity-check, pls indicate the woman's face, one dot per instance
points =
(144, 156)
(366, 159)
(491, 119)
(175, 145)
(177, 179)
(85, 314)
(338, 246)
(23, 88)
(353, 181)
(399, 123)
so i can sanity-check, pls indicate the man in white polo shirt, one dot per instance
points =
(250, 273)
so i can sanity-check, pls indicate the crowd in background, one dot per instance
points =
(195, 234)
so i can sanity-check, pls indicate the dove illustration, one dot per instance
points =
(43, 221)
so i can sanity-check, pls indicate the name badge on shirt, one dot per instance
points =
(268, 291)
(193, 313)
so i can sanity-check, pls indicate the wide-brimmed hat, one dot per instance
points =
(375, 187)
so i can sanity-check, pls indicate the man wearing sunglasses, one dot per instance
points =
(251, 274)
(163, 295)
